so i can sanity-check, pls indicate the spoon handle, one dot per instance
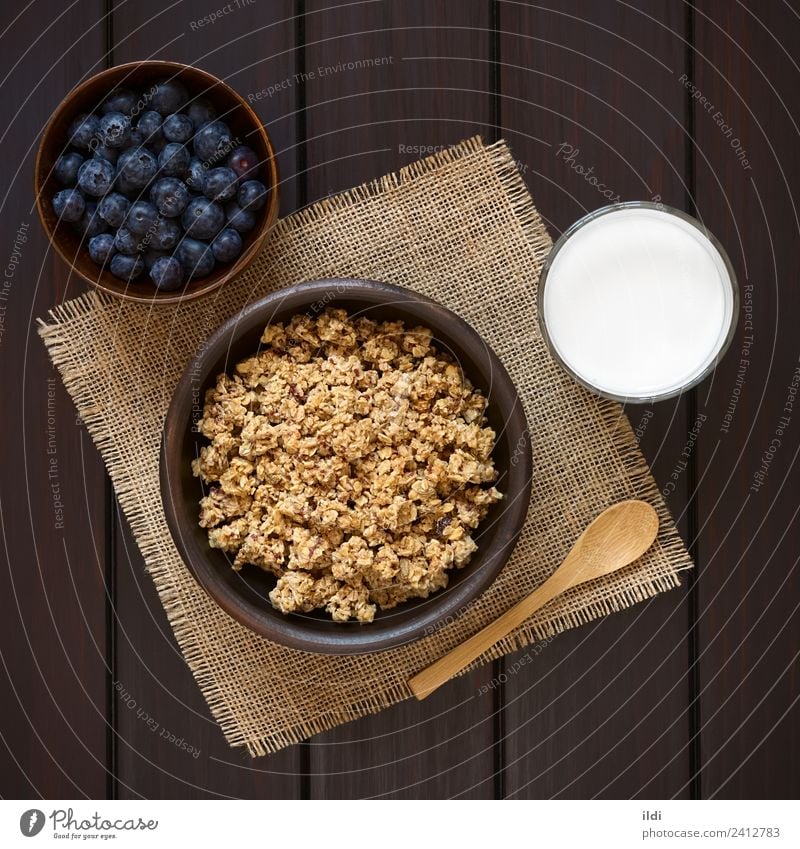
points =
(617, 537)
(425, 682)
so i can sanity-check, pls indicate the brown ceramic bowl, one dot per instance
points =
(244, 594)
(139, 76)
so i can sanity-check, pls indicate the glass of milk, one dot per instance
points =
(638, 301)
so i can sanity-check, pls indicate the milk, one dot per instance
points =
(638, 303)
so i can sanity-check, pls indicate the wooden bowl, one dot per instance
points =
(243, 594)
(139, 76)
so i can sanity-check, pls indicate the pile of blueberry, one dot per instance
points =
(156, 183)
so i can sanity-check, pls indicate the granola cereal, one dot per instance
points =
(349, 458)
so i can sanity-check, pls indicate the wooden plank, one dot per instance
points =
(169, 746)
(388, 83)
(363, 121)
(591, 108)
(252, 48)
(53, 713)
(747, 173)
(248, 45)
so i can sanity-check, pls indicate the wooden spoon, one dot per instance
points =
(614, 539)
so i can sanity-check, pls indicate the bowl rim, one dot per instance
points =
(202, 287)
(288, 630)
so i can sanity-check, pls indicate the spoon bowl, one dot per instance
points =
(618, 536)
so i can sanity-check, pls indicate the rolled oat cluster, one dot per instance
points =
(351, 459)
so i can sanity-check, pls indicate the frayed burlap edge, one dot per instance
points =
(81, 390)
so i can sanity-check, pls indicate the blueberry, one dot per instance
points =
(69, 204)
(151, 255)
(169, 96)
(103, 151)
(195, 257)
(167, 273)
(203, 218)
(170, 196)
(220, 184)
(115, 129)
(178, 128)
(136, 138)
(136, 167)
(95, 177)
(101, 248)
(165, 234)
(90, 223)
(83, 129)
(113, 208)
(238, 218)
(149, 124)
(126, 267)
(212, 141)
(66, 168)
(201, 111)
(252, 195)
(173, 160)
(129, 191)
(244, 162)
(195, 175)
(227, 245)
(119, 100)
(142, 216)
(126, 242)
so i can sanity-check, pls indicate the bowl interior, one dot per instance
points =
(243, 594)
(140, 76)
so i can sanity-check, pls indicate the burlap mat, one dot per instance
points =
(461, 228)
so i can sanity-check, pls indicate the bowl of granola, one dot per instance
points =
(345, 466)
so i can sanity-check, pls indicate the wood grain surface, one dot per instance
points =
(589, 90)
(692, 694)
(55, 621)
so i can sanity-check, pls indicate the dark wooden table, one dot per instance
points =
(693, 694)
